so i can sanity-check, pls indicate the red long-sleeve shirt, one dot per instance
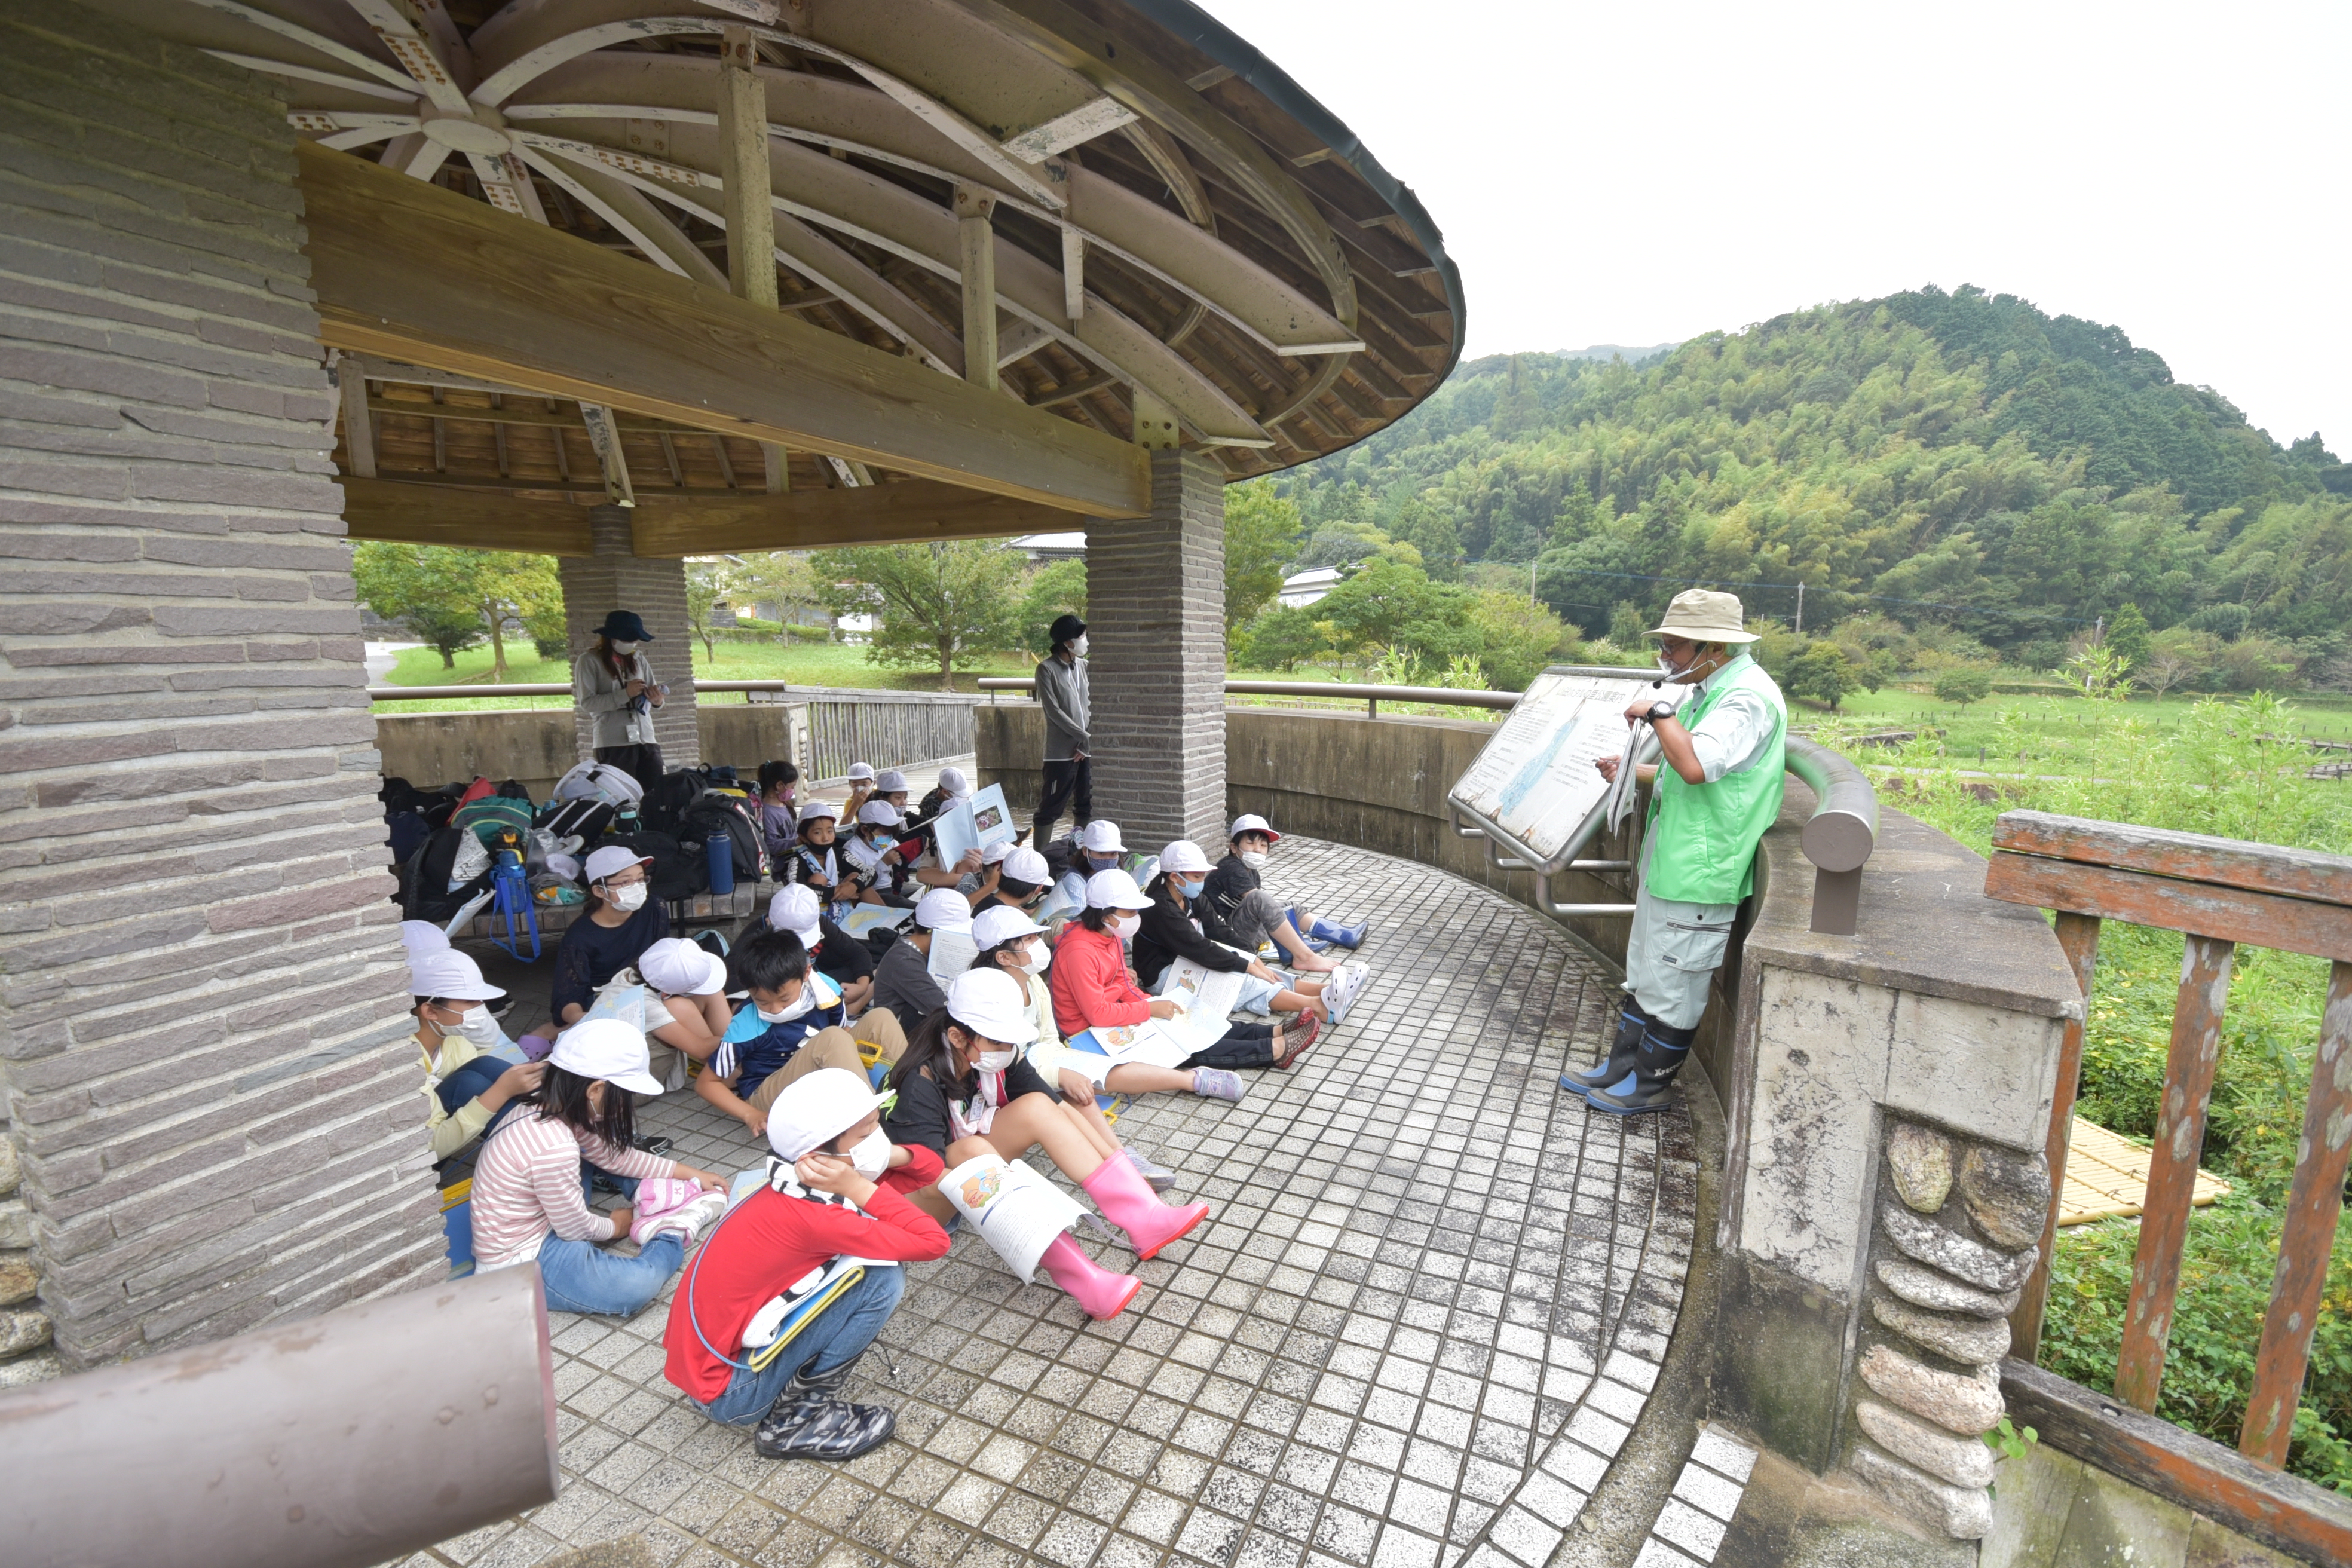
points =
(772, 1240)
(1091, 986)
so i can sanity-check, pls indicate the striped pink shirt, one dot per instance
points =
(527, 1184)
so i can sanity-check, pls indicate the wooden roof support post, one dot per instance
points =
(359, 429)
(604, 435)
(1073, 274)
(1155, 422)
(750, 215)
(975, 210)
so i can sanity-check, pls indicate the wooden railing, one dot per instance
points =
(2218, 892)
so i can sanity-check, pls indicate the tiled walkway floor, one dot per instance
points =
(1431, 1299)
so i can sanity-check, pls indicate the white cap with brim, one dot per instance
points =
(820, 811)
(1702, 615)
(890, 780)
(952, 781)
(423, 936)
(608, 1049)
(998, 853)
(795, 909)
(1114, 889)
(679, 966)
(860, 773)
(613, 860)
(1028, 866)
(878, 813)
(1251, 822)
(817, 1108)
(1101, 837)
(943, 908)
(988, 1002)
(1183, 856)
(1001, 924)
(450, 975)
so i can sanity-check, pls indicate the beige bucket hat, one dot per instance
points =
(1703, 615)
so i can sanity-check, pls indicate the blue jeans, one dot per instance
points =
(837, 1335)
(583, 1278)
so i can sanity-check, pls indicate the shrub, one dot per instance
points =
(1962, 685)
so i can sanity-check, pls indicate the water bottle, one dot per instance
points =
(720, 846)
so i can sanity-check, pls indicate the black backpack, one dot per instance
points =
(425, 891)
(669, 799)
(677, 872)
(717, 816)
(586, 816)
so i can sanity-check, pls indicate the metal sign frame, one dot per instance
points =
(1519, 856)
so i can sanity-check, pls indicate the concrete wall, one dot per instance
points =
(536, 746)
(207, 1083)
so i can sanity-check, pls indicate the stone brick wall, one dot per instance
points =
(207, 1085)
(616, 579)
(1156, 636)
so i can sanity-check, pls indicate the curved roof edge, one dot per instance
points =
(1213, 38)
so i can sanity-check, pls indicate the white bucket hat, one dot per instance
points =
(816, 1109)
(1183, 855)
(422, 937)
(1001, 924)
(451, 976)
(1251, 822)
(1702, 615)
(679, 966)
(1114, 889)
(609, 1048)
(988, 1002)
(795, 909)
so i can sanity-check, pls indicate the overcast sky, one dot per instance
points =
(1638, 173)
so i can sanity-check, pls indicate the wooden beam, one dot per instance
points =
(906, 511)
(359, 430)
(470, 518)
(750, 215)
(975, 210)
(410, 272)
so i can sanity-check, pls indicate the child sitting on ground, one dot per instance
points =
(677, 995)
(1180, 925)
(793, 1025)
(623, 919)
(779, 810)
(902, 980)
(834, 1188)
(860, 779)
(1254, 916)
(531, 1206)
(466, 1087)
(845, 961)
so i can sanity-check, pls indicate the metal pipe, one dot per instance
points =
(1543, 901)
(1845, 824)
(347, 1439)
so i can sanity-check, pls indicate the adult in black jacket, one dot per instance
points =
(1182, 923)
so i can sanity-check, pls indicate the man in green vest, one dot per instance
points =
(1718, 790)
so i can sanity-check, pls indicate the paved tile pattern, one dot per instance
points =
(1430, 1301)
(1690, 1527)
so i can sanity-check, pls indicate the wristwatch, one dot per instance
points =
(1660, 710)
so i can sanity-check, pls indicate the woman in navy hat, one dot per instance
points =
(614, 684)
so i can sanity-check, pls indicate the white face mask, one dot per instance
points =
(871, 1154)
(800, 1006)
(995, 1061)
(476, 1024)
(624, 648)
(628, 899)
(1035, 957)
(1127, 925)
(1254, 858)
(1078, 646)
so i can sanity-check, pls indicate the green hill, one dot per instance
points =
(1960, 462)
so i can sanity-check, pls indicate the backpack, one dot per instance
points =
(598, 781)
(408, 832)
(587, 816)
(424, 890)
(667, 802)
(677, 872)
(715, 814)
(491, 815)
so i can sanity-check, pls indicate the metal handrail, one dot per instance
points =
(1344, 691)
(859, 693)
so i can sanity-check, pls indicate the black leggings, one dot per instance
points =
(641, 762)
(1071, 783)
(1244, 1045)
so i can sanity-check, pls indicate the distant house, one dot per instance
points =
(1043, 548)
(1303, 588)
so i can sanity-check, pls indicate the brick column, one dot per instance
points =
(1156, 641)
(616, 578)
(210, 1093)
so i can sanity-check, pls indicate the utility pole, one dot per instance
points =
(1800, 606)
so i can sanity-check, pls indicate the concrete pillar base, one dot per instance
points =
(616, 578)
(1156, 636)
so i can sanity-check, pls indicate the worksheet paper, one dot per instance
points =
(1016, 1211)
(951, 953)
(1535, 779)
(1206, 996)
(1149, 1043)
(974, 824)
(868, 917)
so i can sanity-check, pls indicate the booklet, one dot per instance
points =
(951, 953)
(1150, 1042)
(1016, 1211)
(865, 918)
(973, 824)
(1207, 995)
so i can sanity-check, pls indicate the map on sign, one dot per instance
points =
(1535, 779)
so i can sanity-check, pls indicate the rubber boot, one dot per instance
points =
(810, 1420)
(1631, 1022)
(1646, 1085)
(1298, 928)
(1128, 1203)
(1349, 937)
(1096, 1289)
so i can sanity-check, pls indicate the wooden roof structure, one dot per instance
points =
(1012, 243)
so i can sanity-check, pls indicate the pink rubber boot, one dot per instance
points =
(1128, 1201)
(1096, 1289)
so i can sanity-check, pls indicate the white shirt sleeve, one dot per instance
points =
(1732, 736)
